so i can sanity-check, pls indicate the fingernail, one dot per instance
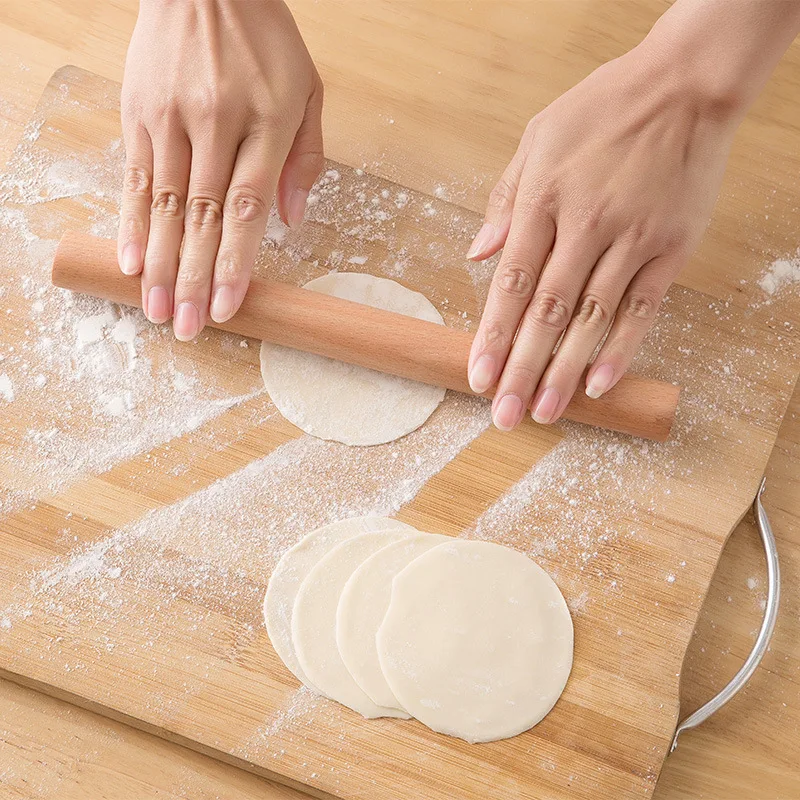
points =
(508, 413)
(482, 240)
(131, 259)
(547, 406)
(600, 381)
(187, 322)
(482, 374)
(158, 309)
(222, 304)
(297, 207)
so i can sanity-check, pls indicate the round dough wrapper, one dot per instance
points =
(350, 404)
(362, 607)
(295, 564)
(477, 641)
(314, 623)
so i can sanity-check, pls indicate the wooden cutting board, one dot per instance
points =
(148, 488)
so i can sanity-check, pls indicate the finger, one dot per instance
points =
(212, 166)
(303, 164)
(542, 325)
(244, 219)
(633, 319)
(594, 312)
(171, 163)
(134, 216)
(497, 220)
(529, 241)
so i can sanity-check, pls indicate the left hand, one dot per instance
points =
(609, 193)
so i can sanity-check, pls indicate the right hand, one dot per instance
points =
(221, 110)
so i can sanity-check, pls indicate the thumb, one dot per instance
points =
(497, 221)
(303, 163)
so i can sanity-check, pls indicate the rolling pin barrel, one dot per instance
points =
(359, 334)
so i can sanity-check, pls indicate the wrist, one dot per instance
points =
(721, 53)
(713, 90)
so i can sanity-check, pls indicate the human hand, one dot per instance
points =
(221, 109)
(607, 196)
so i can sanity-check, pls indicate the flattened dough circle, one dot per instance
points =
(362, 607)
(292, 569)
(314, 622)
(477, 641)
(354, 405)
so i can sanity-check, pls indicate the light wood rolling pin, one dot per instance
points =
(358, 334)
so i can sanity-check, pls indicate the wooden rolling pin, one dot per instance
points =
(358, 334)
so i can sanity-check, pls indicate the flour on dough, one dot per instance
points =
(314, 622)
(292, 569)
(354, 405)
(362, 607)
(477, 641)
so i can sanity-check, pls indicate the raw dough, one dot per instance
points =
(314, 622)
(333, 400)
(293, 567)
(477, 641)
(362, 607)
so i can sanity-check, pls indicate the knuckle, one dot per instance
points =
(495, 336)
(591, 218)
(541, 194)
(203, 213)
(245, 203)
(550, 311)
(521, 374)
(273, 119)
(565, 368)
(191, 277)
(167, 203)
(132, 226)
(593, 311)
(639, 231)
(207, 103)
(132, 107)
(137, 181)
(162, 116)
(640, 306)
(502, 195)
(515, 279)
(228, 266)
(677, 239)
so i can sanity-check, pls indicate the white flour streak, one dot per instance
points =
(98, 384)
(225, 539)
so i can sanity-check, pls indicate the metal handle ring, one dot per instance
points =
(764, 635)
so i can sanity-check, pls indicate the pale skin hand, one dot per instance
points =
(221, 111)
(608, 195)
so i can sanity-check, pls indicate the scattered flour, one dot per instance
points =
(6, 389)
(99, 382)
(90, 330)
(783, 272)
(198, 567)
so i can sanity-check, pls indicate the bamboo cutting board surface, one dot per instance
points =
(148, 489)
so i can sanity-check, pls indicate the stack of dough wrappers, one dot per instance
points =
(471, 638)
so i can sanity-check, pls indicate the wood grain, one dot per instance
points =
(609, 732)
(745, 754)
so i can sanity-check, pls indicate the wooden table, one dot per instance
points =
(752, 745)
